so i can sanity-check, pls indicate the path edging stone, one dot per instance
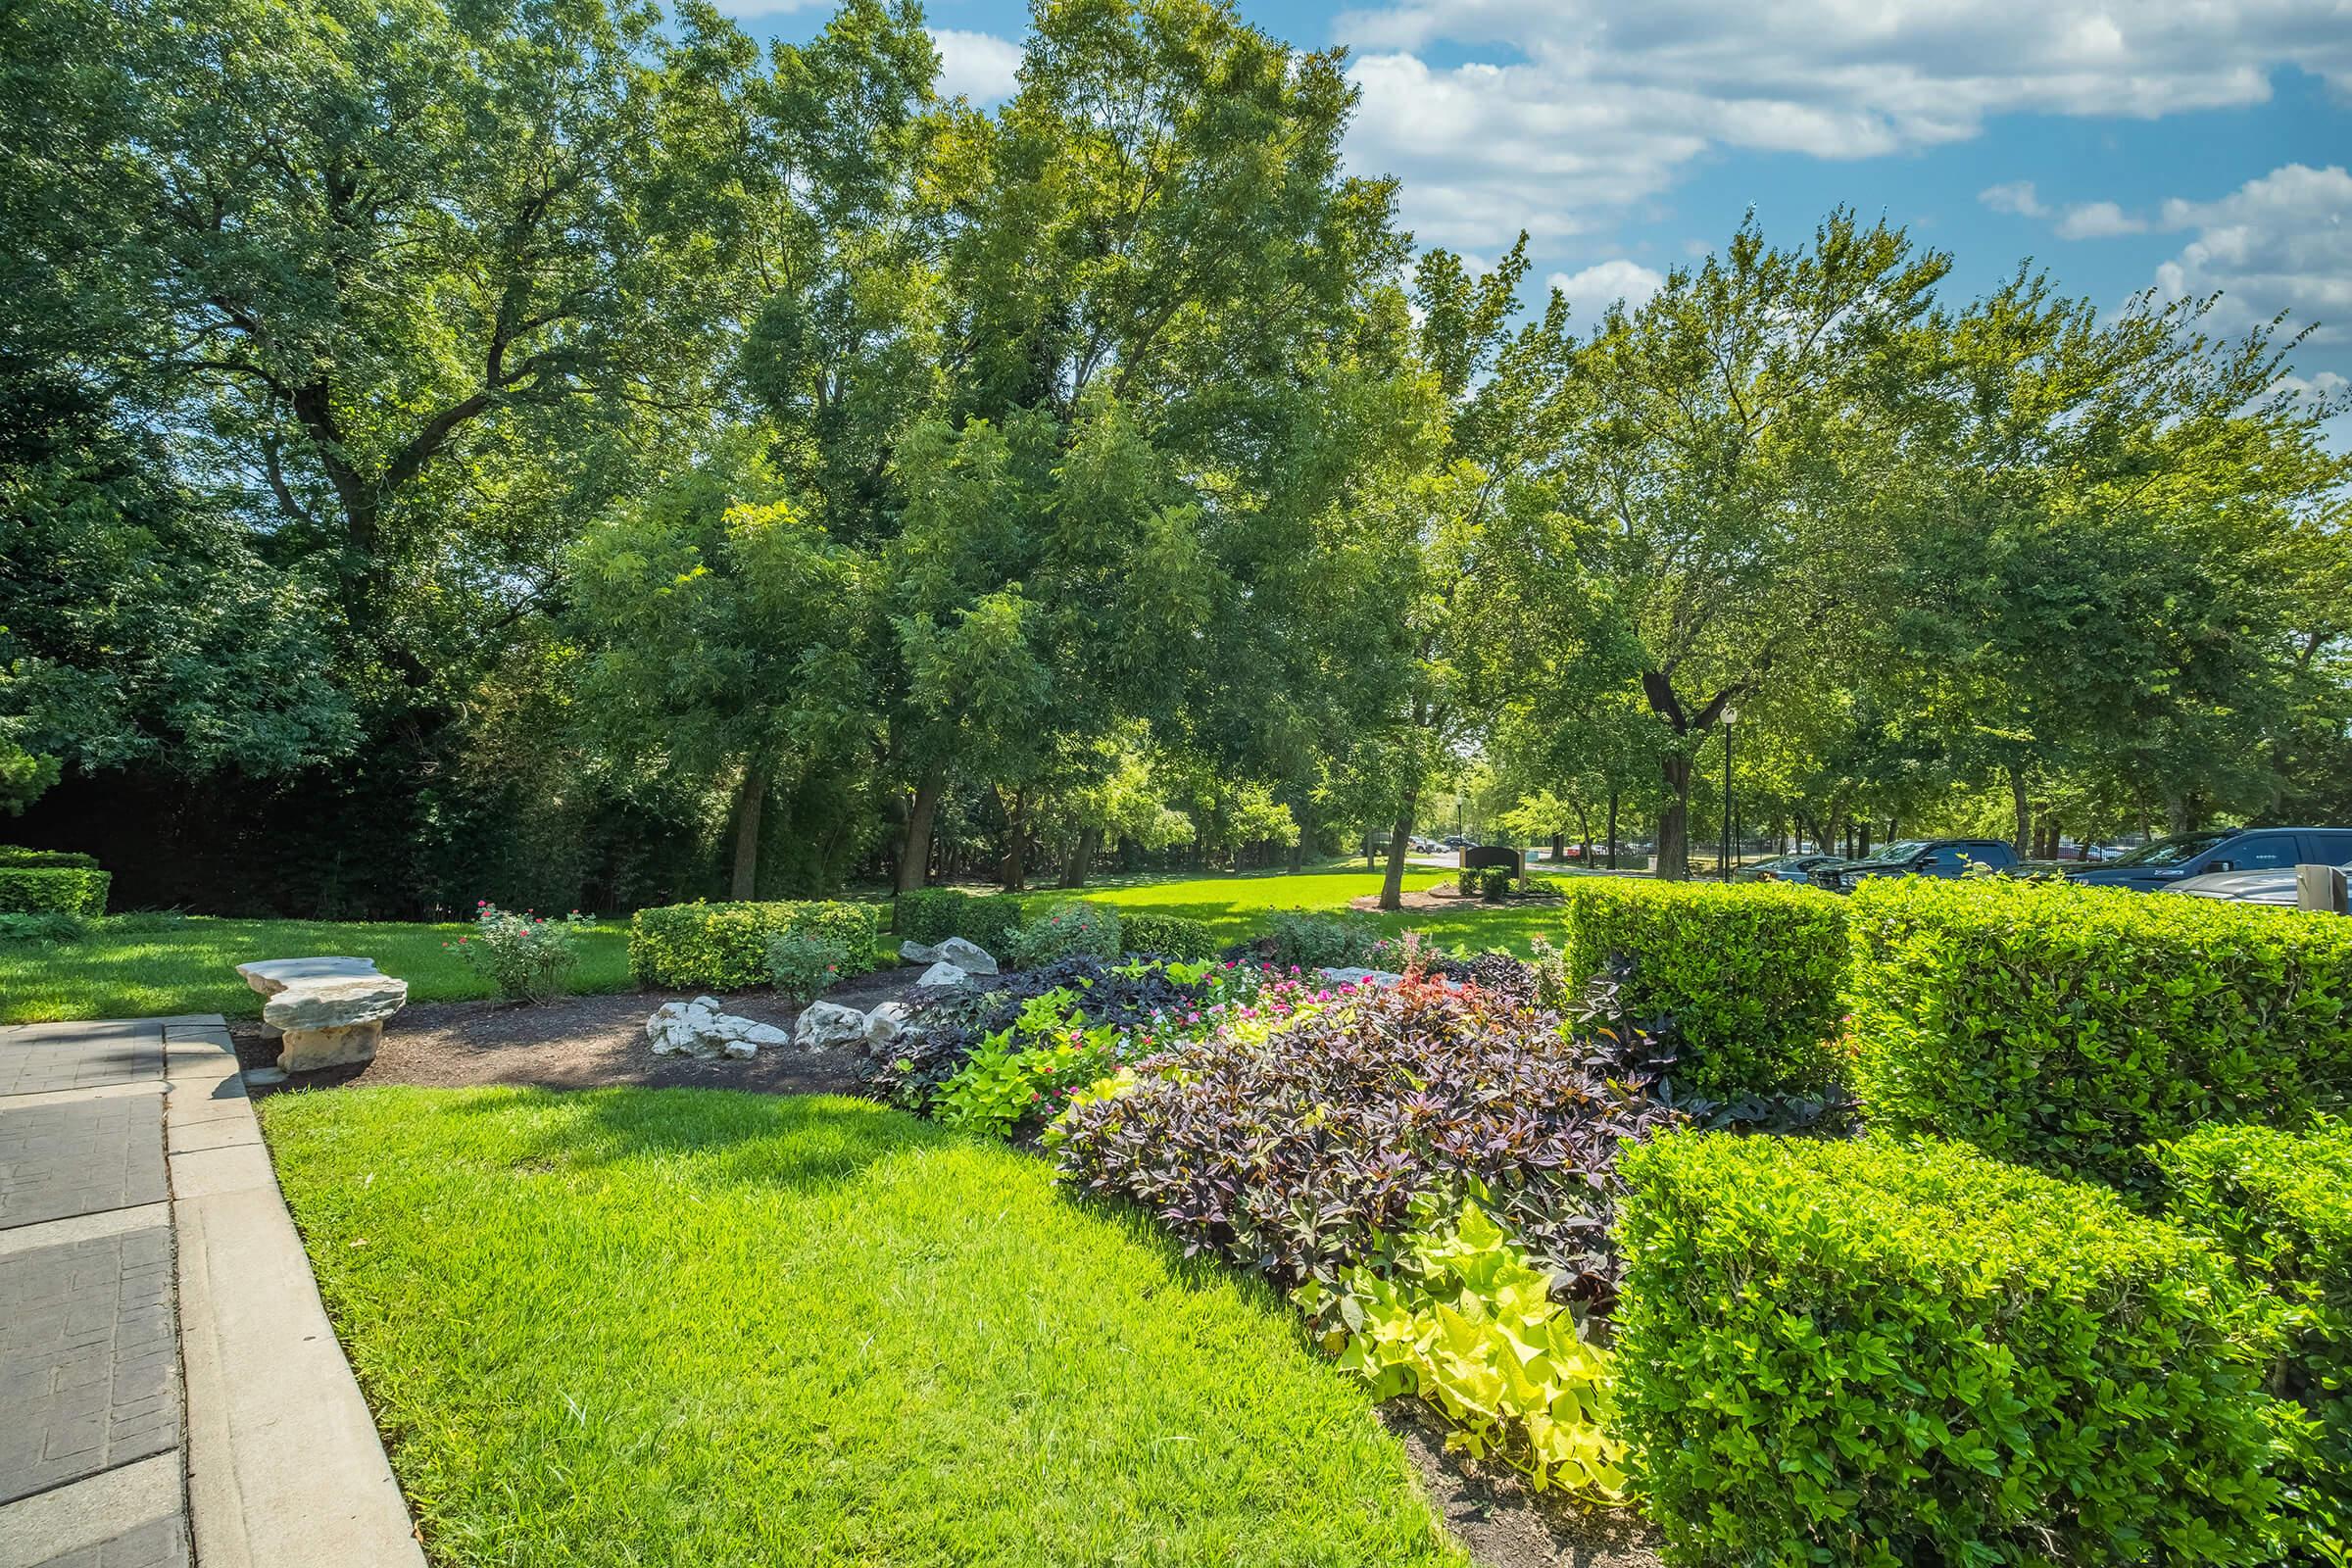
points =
(285, 1467)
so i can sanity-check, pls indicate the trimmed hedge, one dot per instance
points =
(53, 889)
(724, 947)
(1861, 1352)
(1167, 936)
(2282, 1205)
(2067, 1027)
(16, 854)
(931, 915)
(1749, 972)
(1071, 928)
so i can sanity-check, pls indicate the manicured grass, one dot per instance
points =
(148, 966)
(630, 1327)
(1237, 906)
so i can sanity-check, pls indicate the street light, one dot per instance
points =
(1731, 717)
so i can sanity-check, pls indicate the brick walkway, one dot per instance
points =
(171, 1390)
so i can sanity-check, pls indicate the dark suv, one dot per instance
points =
(2236, 849)
(1916, 857)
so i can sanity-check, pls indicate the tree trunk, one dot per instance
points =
(750, 798)
(1401, 840)
(1082, 858)
(2021, 803)
(914, 848)
(1612, 830)
(1674, 822)
(1014, 873)
(1559, 846)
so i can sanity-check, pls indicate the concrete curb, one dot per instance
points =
(285, 1469)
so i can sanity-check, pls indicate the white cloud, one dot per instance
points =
(2283, 242)
(2099, 220)
(978, 65)
(1588, 107)
(2015, 197)
(1592, 290)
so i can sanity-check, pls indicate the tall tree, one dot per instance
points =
(1739, 432)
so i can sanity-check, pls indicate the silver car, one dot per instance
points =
(2276, 886)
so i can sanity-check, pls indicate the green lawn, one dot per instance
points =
(631, 1327)
(148, 966)
(1237, 906)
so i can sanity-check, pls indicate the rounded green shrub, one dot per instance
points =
(2069, 1027)
(1061, 931)
(1862, 1353)
(724, 947)
(53, 889)
(1750, 972)
(1167, 936)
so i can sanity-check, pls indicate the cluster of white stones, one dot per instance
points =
(702, 1030)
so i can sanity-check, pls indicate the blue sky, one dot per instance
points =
(2187, 145)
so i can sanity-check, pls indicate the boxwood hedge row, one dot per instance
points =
(1860, 1353)
(724, 947)
(931, 915)
(35, 889)
(2282, 1205)
(1751, 972)
(2067, 1028)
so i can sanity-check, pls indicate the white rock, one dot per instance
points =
(969, 956)
(708, 1005)
(741, 1050)
(1350, 977)
(826, 1024)
(268, 976)
(885, 1024)
(944, 973)
(764, 1034)
(916, 952)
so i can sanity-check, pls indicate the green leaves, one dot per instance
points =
(1871, 1352)
(1465, 1322)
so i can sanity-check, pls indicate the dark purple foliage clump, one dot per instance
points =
(1304, 1153)
(949, 1024)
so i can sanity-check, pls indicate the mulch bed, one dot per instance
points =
(582, 1042)
(1443, 896)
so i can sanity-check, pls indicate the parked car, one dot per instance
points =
(1785, 868)
(2276, 886)
(1456, 841)
(1916, 857)
(2154, 866)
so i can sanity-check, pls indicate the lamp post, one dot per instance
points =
(1731, 717)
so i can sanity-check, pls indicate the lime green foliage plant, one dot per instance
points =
(1862, 1353)
(1066, 930)
(724, 947)
(1025, 1074)
(527, 956)
(2282, 1205)
(802, 964)
(1466, 1322)
(40, 889)
(2068, 1027)
(1167, 936)
(1750, 972)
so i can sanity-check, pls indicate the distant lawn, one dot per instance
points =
(1237, 906)
(148, 966)
(630, 1327)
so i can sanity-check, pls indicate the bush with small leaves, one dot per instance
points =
(1877, 1353)
(803, 965)
(1166, 936)
(1066, 931)
(527, 956)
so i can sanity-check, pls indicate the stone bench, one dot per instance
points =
(324, 1013)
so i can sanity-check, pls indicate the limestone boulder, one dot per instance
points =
(944, 973)
(969, 956)
(336, 1002)
(885, 1024)
(828, 1025)
(916, 952)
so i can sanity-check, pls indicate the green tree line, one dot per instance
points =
(561, 451)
